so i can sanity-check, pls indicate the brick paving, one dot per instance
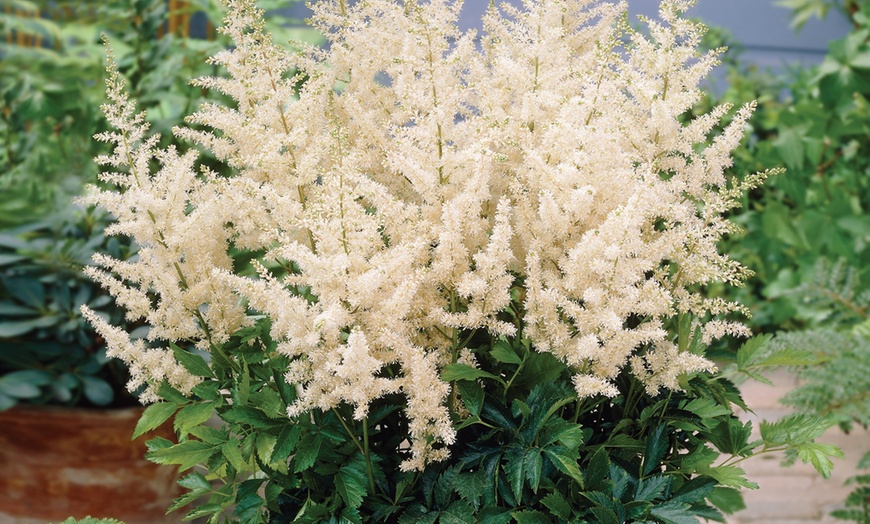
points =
(795, 494)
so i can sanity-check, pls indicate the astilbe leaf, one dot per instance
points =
(352, 481)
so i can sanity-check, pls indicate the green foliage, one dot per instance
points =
(51, 88)
(50, 353)
(806, 234)
(845, 362)
(814, 122)
(857, 504)
(50, 95)
(804, 10)
(91, 520)
(527, 450)
(837, 389)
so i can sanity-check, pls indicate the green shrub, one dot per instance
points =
(807, 230)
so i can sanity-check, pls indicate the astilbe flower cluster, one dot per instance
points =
(413, 176)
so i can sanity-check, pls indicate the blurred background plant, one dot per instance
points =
(51, 64)
(50, 87)
(807, 231)
(50, 354)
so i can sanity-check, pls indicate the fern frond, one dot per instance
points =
(838, 287)
(839, 385)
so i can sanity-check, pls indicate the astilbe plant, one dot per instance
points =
(439, 264)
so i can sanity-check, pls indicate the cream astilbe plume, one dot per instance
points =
(413, 179)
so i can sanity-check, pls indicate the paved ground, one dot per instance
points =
(795, 494)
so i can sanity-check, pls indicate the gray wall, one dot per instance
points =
(762, 28)
(759, 25)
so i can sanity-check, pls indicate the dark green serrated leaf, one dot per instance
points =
(419, 516)
(249, 416)
(265, 446)
(249, 504)
(352, 481)
(605, 516)
(674, 513)
(443, 487)
(657, 445)
(350, 516)
(598, 471)
(184, 500)
(158, 443)
(706, 408)
(533, 465)
(195, 481)
(459, 512)
(170, 394)
(728, 500)
(514, 468)
(752, 350)
(471, 486)
(494, 515)
(204, 510)
(652, 488)
(564, 462)
(503, 352)
(233, 454)
(731, 436)
(307, 451)
(556, 503)
(472, 396)
(193, 363)
(454, 372)
(210, 434)
(694, 490)
(286, 443)
(540, 368)
(531, 517)
(559, 430)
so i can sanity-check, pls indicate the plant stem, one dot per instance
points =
(368, 455)
(353, 436)
(731, 460)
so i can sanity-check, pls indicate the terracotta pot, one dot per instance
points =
(62, 462)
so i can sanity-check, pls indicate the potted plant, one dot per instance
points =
(441, 279)
(65, 411)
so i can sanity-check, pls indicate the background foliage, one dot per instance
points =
(807, 231)
(51, 90)
(50, 96)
